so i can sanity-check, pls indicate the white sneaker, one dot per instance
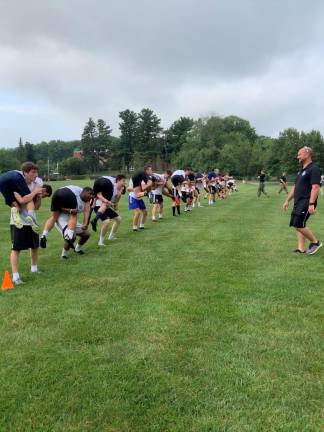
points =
(101, 244)
(112, 237)
(18, 282)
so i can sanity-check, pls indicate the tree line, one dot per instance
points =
(230, 144)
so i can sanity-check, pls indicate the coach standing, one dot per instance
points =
(305, 192)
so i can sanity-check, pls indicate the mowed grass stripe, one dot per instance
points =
(204, 323)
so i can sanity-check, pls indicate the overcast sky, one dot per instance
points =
(63, 61)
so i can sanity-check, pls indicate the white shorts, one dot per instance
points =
(62, 222)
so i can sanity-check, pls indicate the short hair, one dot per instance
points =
(169, 172)
(28, 166)
(88, 189)
(120, 177)
(309, 150)
(48, 189)
(147, 166)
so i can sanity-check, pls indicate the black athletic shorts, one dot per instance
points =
(104, 186)
(300, 214)
(157, 199)
(63, 198)
(24, 238)
(108, 214)
(10, 182)
(176, 180)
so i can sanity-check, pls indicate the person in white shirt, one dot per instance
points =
(160, 181)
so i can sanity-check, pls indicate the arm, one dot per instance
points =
(103, 199)
(289, 198)
(38, 202)
(86, 214)
(313, 197)
(27, 198)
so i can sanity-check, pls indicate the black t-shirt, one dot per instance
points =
(283, 179)
(139, 177)
(262, 178)
(306, 177)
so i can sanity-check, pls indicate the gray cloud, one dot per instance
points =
(71, 60)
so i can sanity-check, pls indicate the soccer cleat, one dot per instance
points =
(32, 221)
(16, 218)
(18, 282)
(94, 225)
(42, 242)
(313, 248)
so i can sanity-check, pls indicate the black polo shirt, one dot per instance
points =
(306, 177)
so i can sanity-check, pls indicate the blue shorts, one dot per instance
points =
(134, 204)
(10, 182)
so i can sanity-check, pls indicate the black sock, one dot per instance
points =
(178, 209)
(173, 211)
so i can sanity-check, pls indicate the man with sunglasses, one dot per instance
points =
(304, 193)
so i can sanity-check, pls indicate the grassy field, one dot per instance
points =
(205, 322)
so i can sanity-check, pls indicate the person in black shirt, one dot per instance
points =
(140, 184)
(305, 192)
(261, 178)
(283, 183)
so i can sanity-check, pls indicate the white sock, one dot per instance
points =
(45, 233)
(34, 269)
(160, 216)
(77, 247)
(101, 239)
(141, 225)
(64, 252)
(15, 276)
(135, 227)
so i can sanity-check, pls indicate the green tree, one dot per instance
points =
(128, 135)
(148, 143)
(175, 137)
(73, 166)
(21, 153)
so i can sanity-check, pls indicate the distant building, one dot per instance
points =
(78, 154)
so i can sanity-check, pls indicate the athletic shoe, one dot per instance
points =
(42, 242)
(101, 244)
(18, 282)
(34, 225)
(298, 251)
(94, 225)
(69, 242)
(112, 237)
(154, 220)
(16, 218)
(135, 229)
(313, 248)
(141, 228)
(80, 252)
(64, 257)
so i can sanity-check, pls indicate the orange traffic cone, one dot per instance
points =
(7, 282)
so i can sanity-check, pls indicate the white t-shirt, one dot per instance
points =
(158, 190)
(37, 182)
(77, 192)
(179, 173)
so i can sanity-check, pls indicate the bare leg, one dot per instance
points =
(300, 241)
(14, 261)
(136, 218)
(143, 218)
(308, 234)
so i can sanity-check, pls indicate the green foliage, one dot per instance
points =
(73, 166)
(95, 143)
(128, 135)
(8, 161)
